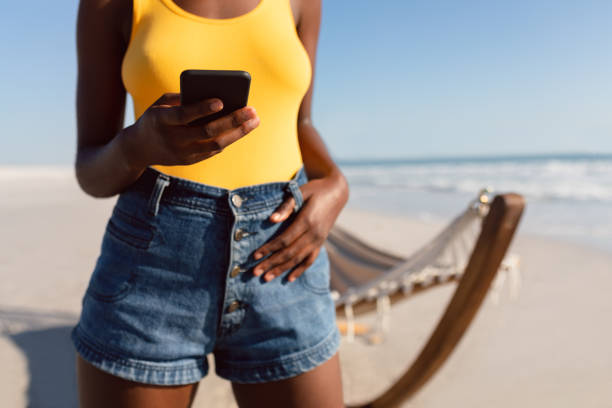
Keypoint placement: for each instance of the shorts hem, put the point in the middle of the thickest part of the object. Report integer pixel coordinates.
(250, 372)
(181, 372)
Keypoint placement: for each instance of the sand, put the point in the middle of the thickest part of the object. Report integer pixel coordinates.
(547, 348)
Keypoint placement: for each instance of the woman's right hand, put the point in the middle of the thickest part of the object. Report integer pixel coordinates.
(162, 135)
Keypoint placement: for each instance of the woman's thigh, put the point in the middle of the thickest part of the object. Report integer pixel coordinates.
(98, 389)
(320, 387)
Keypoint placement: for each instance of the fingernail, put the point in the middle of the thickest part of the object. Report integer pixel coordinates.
(257, 255)
(251, 122)
(291, 279)
(246, 114)
(275, 217)
(269, 277)
(257, 271)
(216, 105)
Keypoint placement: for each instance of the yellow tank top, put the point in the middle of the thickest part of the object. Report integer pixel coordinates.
(166, 39)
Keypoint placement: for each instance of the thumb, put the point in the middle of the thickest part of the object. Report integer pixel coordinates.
(283, 211)
(169, 98)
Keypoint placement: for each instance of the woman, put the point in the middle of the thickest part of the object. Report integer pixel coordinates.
(200, 207)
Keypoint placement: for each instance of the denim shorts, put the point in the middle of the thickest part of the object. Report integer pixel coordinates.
(174, 282)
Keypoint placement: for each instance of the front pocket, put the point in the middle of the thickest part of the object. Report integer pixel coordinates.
(316, 277)
(130, 230)
(114, 273)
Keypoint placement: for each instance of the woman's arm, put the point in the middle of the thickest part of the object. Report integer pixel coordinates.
(110, 158)
(317, 160)
(326, 192)
(102, 164)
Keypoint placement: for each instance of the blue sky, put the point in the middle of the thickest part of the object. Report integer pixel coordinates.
(393, 79)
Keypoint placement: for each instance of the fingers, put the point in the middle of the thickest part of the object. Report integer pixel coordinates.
(286, 247)
(284, 211)
(234, 120)
(226, 130)
(286, 259)
(169, 98)
(309, 260)
(284, 240)
(183, 114)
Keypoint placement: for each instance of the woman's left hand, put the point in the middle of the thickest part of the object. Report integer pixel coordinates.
(300, 243)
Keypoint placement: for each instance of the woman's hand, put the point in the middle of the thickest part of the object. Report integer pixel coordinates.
(301, 242)
(162, 134)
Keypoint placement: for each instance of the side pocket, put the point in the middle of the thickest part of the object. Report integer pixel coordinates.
(130, 230)
(316, 277)
(113, 275)
(125, 242)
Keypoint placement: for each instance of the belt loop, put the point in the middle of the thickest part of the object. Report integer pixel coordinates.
(295, 191)
(293, 187)
(162, 181)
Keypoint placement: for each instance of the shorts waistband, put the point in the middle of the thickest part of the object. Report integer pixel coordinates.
(161, 187)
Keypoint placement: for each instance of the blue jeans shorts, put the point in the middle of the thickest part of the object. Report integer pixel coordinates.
(174, 282)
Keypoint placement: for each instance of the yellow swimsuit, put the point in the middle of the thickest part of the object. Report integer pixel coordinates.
(166, 40)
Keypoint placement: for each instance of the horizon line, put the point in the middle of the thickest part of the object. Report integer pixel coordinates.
(473, 157)
(409, 159)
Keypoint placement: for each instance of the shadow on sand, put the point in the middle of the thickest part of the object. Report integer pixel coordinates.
(44, 339)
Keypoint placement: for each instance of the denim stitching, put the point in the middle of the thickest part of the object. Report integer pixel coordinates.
(327, 343)
(121, 234)
(295, 191)
(91, 346)
(253, 372)
(161, 183)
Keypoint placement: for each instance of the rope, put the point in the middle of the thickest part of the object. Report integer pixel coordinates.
(383, 309)
(350, 322)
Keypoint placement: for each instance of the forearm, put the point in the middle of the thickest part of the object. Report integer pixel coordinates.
(104, 171)
(317, 160)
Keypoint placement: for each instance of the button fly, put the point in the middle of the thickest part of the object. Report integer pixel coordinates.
(239, 234)
(233, 306)
(235, 271)
(237, 200)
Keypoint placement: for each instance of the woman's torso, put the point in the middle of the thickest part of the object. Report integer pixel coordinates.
(166, 39)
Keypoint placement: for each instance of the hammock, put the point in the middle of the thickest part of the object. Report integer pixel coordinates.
(470, 250)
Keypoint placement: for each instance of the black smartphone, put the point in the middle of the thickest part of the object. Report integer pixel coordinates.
(232, 87)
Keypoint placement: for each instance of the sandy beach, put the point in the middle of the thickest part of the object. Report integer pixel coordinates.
(549, 347)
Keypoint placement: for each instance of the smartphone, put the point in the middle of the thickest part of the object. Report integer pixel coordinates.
(232, 87)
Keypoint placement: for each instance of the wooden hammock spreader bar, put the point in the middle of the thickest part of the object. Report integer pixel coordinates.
(497, 231)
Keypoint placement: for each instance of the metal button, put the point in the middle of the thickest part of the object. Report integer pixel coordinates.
(235, 271)
(237, 200)
(233, 306)
(239, 234)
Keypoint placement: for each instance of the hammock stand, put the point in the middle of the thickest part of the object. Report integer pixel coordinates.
(469, 250)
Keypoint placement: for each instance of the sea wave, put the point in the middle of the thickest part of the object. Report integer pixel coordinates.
(545, 179)
(552, 179)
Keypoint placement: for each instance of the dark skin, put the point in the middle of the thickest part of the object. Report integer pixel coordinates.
(110, 158)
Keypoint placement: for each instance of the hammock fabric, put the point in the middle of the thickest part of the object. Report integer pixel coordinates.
(470, 249)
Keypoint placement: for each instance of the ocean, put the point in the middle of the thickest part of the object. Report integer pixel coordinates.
(569, 197)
